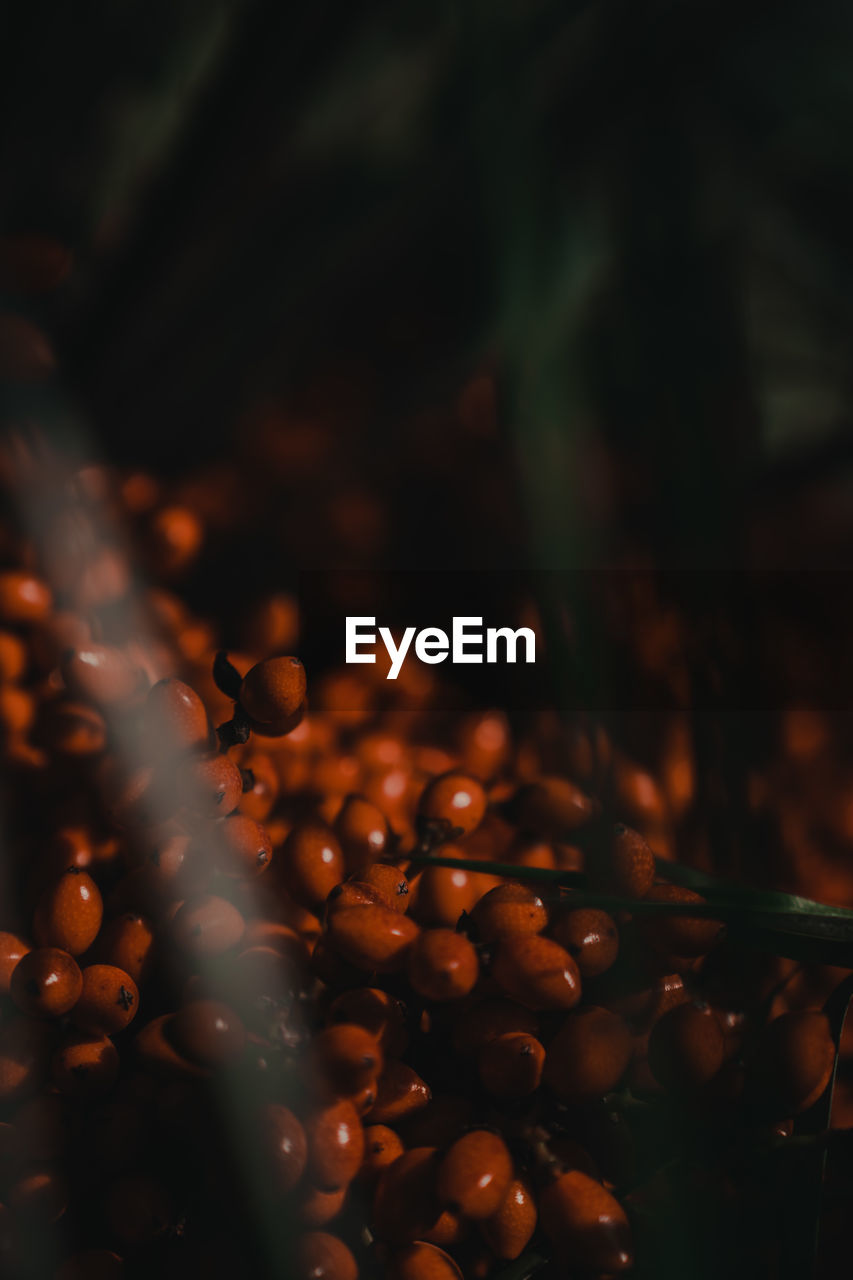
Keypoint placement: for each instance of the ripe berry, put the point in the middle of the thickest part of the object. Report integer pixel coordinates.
(554, 807)
(346, 1057)
(101, 674)
(284, 1146)
(207, 926)
(475, 1174)
(509, 909)
(536, 972)
(245, 846)
(586, 1224)
(679, 935)
(24, 599)
(793, 1062)
(47, 983)
(335, 1145)
(85, 1066)
(405, 1203)
(589, 1055)
(422, 1261)
(399, 1092)
(382, 1146)
(480, 1022)
(378, 1012)
(686, 1048)
(273, 691)
(373, 938)
(362, 829)
(12, 949)
(591, 938)
(312, 863)
(511, 1065)
(175, 718)
(622, 863)
(390, 882)
(108, 1001)
(442, 965)
(320, 1256)
(454, 804)
(511, 1226)
(211, 785)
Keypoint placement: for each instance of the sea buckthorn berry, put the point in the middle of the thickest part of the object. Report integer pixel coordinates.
(536, 972)
(159, 1056)
(591, 938)
(246, 849)
(363, 831)
(24, 599)
(584, 1222)
(452, 805)
(46, 983)
(13, 657)
(108, 1001)
(686, 1048)
(273, 691)
(684, 936)
(380, 1013)
(69, 913)
(511, 1065)
(478, 1023)
(39, 1197)
(318, 1208)
(443, 893)
(554, 807)
(126, 942)
(475, 1174)
(589, 1055)
(373, 938)
(141, 797)
(175, 718)
(85, 1066)
(260, 786)
(92, 1264)
(405, 1204)
(207, 926)
(284, 1146)
(382, 1146)
(320, 1256)
(354, 893)
(622, 862)
(208, 1032)
(509, 1229)
(510, 908)
(335, 1145)
(347, 1057)
(422, 1261)
(312, 863)
(390, 881)
(102, 674)
(399, 1092)
(450, 1230)
(792, 1063)
(12, 949)
(442, 965)
(211, 785)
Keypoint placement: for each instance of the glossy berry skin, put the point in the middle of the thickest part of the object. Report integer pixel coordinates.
(587, 1226)
(686, 1048)
(85, 1066)
(346, 1057)
(273, 690)
(108, 1001)
(207, 926)
(211, 785)
(284, 1146)
(68, 728)
(400, 1091)
(319, 1208)
(442, 965)
(102, 674)
(509, 1229)
(390, 882)
(335, 1145)
(792, 1064)
(509, 909)
(312, 864)
(46, 983)
(175, 719)
(320, 1256)
(589, 1055)
(12, 949)
(591, 938)
(363, 832)
(69, 913)
(511, 1065)
(382, 1146)
(208, 1032)
(674, 935)
(443, 893)
(405, 1204)
(13, 657)
(175, 536)
(262, 777)
(24, 599)
(475, 1174)
(622, 863)
(373, 938)
(126, 943)
(422, 1261)
(380, 1013)
(536, 972)
(554, 807)
(454, 801)
(244, 847)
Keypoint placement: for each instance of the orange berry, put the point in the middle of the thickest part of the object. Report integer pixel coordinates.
(511, 1065)
(586, 1224)
(273, 690)
(442, 965)
(589, 1055)
(475, 1174)
(508, 1230)
(510, 908)
(591, 938)
(454, 802)
(536, 972)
